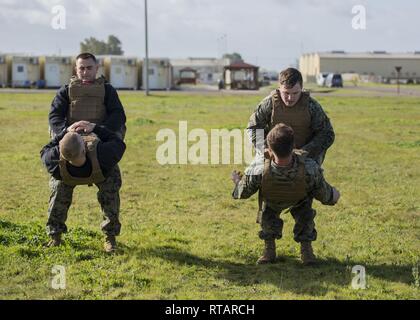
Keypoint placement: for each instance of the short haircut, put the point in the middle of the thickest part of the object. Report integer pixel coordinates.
(281, 140)
(289, 77)
(71, 146)
(86, 55)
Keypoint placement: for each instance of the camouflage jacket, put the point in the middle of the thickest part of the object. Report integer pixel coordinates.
(316, 186)
(322, 131)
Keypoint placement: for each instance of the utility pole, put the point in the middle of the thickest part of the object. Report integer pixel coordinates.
(398, 78)
(146, 60)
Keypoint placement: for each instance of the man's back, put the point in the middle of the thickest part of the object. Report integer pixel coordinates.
(313, 178)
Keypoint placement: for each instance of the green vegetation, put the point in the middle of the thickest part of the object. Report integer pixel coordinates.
(183, 236)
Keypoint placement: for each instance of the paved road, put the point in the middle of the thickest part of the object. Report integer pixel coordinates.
(212, 90)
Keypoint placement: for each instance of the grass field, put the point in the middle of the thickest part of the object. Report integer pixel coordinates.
(184, 237)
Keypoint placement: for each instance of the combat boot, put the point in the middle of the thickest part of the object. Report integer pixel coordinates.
(307, 253)
(55, 240)
(269, 255)
(110, 244)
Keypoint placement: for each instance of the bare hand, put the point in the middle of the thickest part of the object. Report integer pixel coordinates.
(82, 126)
(236, 176)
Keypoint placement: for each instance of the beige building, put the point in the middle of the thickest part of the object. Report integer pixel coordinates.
(23, 71)
(56, 70)
(373, 66)
(120, 71)
(160, 74)
(208, 70)
(3, 71)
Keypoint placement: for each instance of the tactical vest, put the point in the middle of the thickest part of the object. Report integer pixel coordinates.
(297, 117)
(86, 101)
(277, 191)
(96, 176)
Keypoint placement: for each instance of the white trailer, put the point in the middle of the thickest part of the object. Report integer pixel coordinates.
(160, 74)
(56, 71)
(122, 72)
(24, 71)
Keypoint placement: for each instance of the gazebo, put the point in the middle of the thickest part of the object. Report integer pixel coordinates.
(187, 75)
(241, 75)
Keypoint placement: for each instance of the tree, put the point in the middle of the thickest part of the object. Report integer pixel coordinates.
(233, 57)
(95, 46)
(114, 45)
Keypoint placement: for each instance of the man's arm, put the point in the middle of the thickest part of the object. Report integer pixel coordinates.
(318, 187)
(111, 149)
(115, 112)
(323, 133)
(247, 186)
(58, 111)
(260, 119)
(50, 154)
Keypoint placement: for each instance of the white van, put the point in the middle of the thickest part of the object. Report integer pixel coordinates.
(320, 78)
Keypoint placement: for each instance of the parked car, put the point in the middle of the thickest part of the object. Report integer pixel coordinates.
(334, 80)
(320, 79)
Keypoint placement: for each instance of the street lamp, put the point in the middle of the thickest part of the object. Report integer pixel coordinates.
(398, 78)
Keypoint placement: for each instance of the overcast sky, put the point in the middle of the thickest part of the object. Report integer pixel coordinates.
(269, 33)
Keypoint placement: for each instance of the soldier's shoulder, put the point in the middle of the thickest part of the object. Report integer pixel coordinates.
(314, 103)
(63, 88)
(269, 97)
(109, 88)
(315, 107)
(63, 91)
(267, 101)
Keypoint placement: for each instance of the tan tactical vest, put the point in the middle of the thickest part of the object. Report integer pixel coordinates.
(297, 117)
(86, 101)
(91, 142)
(276, 191)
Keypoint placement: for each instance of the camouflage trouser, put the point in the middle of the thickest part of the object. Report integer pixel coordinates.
(108, 197)
(304, 229)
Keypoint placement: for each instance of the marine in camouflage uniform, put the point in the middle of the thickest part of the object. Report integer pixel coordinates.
(90, 99)
(104, 150)
(315, 187)
(320, 131)
(313, 134)
(291, 185)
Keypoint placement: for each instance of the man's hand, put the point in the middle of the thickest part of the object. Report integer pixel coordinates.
(336, 195)
(82, 127)
(236, 176)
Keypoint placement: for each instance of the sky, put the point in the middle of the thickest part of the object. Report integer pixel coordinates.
(269, 33)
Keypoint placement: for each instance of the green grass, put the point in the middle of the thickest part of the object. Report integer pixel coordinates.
(184, 237)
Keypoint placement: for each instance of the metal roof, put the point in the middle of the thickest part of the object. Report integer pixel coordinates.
(241, 65)
(367, 55)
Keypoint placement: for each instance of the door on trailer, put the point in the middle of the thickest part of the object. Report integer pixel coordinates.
(118, 76)
(153, 77)
(20, 73)
(52, 75)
